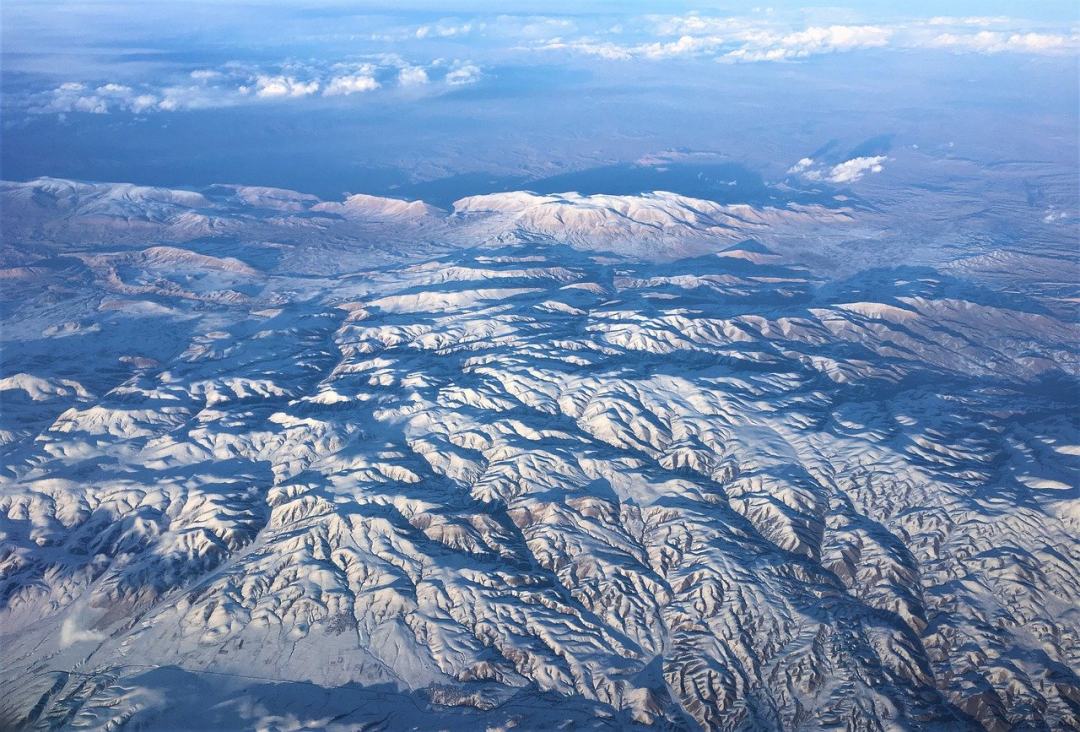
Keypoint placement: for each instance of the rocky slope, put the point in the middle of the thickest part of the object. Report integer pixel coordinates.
(270, 462)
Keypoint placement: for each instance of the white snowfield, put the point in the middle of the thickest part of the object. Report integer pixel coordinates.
(275, 463)
(657, 225)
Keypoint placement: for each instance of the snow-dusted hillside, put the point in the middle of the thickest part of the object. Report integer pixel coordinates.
(281, 463)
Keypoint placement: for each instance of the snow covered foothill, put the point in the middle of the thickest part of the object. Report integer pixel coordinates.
(273, 462)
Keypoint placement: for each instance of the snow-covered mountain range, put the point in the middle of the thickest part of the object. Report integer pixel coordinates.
(536, 462)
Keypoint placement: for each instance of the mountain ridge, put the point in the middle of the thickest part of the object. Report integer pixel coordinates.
(452, 484)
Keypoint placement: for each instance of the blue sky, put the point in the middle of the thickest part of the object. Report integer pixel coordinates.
(328, 96)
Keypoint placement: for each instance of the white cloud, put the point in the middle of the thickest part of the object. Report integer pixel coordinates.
(731, 40)
(529, 27)
(762, 37)
(501, 27)
(766, 46)
(694, 24)
(443, 29)
(236, 84)
(351, 84)
(144, 103)
(412, 76)
(109, 97)
(270, 87)
(848, 171)
(464, 74)
(685, 46)
(71, 633)
(177, 98)
(1053, 215)
(73, 96)
(91, 104)
(114, 89)
(802, 165)
(852, 170)
(997, 42)
(606, 50)
(978, 20)
(756, 37)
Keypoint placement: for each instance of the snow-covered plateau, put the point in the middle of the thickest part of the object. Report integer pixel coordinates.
(537, 462)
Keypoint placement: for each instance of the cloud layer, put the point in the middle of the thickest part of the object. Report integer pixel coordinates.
(764, 39)
(459, 51)
(236, 84)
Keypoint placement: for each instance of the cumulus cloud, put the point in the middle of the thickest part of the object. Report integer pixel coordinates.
(352, 84)
(444, 29)
(694, 24)
(767, 46)
(848, 171)
(75, 96)
(464, 74)
(683, 46)
(764, 38)
(801, 166)
(686, 45)
(1053, 215)
(235, 84)
(605, 50)
(144, 103)
(975, 20)
(71, 633)
(852, 170)
(271, 87)
(997, 42)
(412, 76)
(731, 40)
